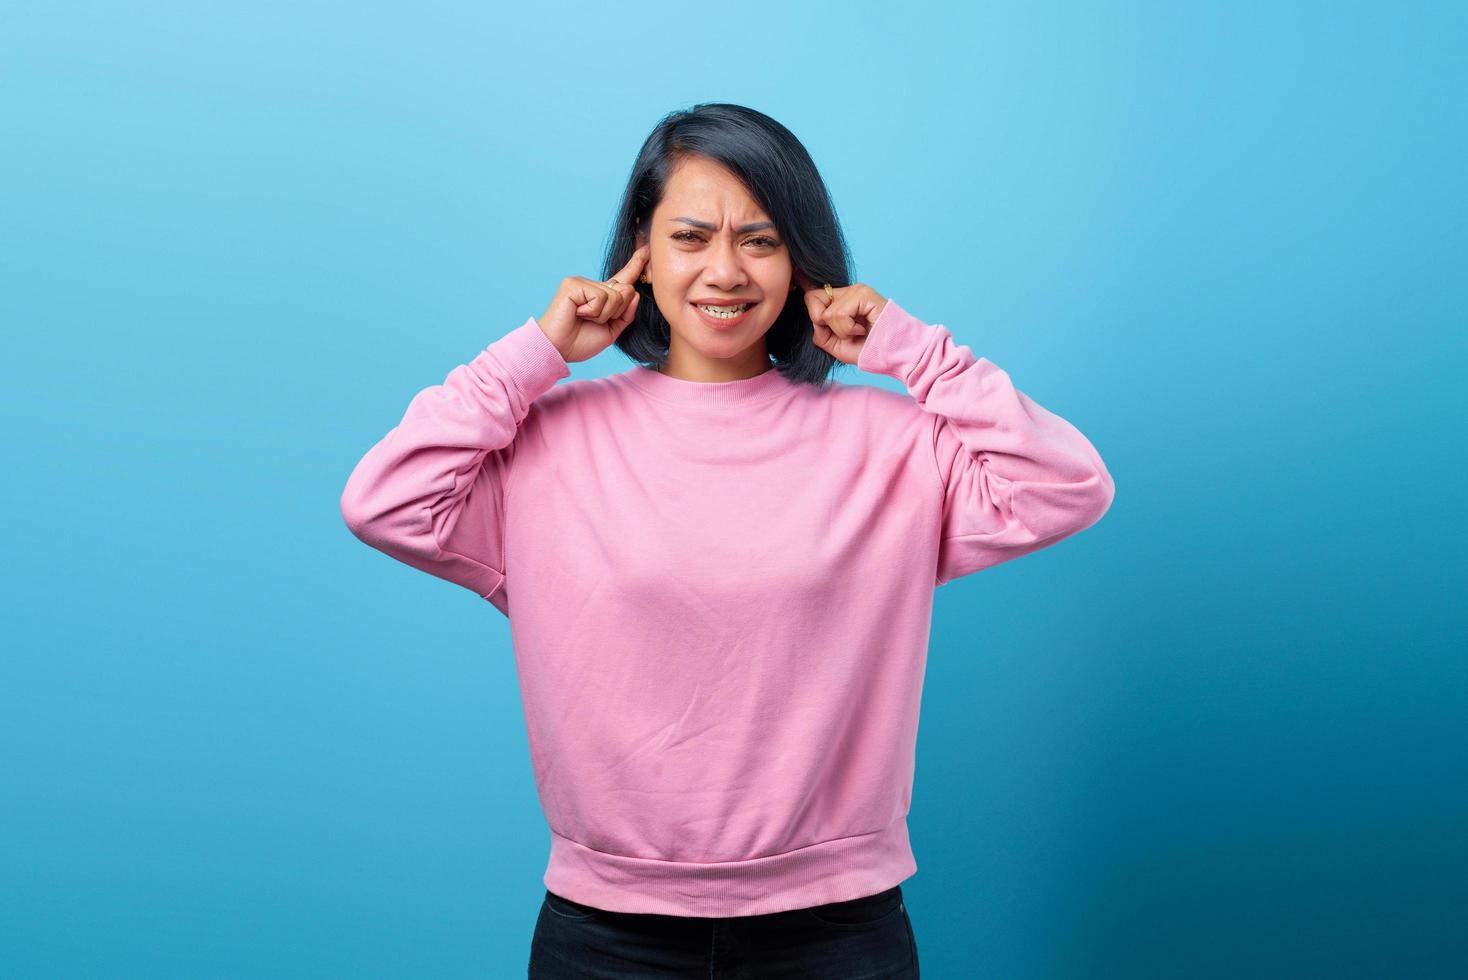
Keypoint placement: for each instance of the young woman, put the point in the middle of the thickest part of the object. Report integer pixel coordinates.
(718, 566)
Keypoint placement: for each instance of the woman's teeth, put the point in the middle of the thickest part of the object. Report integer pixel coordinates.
(727, 312)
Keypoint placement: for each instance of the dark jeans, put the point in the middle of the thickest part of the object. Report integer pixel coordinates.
(862, 939)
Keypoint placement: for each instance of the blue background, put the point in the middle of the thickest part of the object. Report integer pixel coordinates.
(1219, 734)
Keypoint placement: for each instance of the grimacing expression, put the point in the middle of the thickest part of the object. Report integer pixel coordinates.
(711, 241)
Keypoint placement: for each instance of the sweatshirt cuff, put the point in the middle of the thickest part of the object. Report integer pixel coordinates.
(530, 359)
(895, 343)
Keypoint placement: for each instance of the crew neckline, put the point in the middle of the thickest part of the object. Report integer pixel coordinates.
(679, 391)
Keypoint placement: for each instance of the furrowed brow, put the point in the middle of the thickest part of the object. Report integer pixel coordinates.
(707, 226)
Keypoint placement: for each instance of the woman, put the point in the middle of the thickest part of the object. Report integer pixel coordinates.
(718, 565)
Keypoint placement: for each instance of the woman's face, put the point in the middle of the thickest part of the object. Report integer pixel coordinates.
(712, 243)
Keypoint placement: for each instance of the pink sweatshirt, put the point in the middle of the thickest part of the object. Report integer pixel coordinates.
(720, 593)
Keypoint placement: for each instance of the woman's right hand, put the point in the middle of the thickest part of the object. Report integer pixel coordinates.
(586, 315)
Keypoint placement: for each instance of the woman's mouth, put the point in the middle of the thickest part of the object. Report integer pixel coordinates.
(723, 317)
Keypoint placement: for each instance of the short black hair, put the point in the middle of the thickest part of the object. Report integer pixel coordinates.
(782, 178)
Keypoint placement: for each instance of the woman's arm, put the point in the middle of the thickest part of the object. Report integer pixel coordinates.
(1016, 477)
(431, 492)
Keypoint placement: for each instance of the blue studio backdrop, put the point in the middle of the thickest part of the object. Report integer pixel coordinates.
(1226, 240)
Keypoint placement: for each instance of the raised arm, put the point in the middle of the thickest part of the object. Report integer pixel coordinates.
(431, 492)
(1016, 477)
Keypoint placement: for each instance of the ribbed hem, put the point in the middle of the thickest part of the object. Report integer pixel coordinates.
(896, 342)
(832, 871)
(531, 360)
(763, 386)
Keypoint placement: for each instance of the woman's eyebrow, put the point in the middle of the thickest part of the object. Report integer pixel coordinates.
(706, 226)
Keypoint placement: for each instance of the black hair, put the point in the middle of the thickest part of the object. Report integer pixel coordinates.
(781, 176)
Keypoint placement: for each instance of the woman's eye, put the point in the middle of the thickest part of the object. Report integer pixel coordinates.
(688, 236)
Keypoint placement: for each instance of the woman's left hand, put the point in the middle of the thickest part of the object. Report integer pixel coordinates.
(842, 320)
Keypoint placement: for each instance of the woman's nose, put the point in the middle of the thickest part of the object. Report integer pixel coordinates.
(725, 267)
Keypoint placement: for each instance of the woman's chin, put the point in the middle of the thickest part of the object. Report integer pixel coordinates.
(721, 347)
(715, 342)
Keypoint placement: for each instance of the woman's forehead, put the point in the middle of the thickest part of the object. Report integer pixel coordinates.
(706, 192)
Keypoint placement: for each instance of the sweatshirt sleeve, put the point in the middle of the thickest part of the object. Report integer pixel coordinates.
(430, 493)
(1016, 478)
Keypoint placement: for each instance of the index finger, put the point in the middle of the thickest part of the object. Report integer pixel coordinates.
(629, 272)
